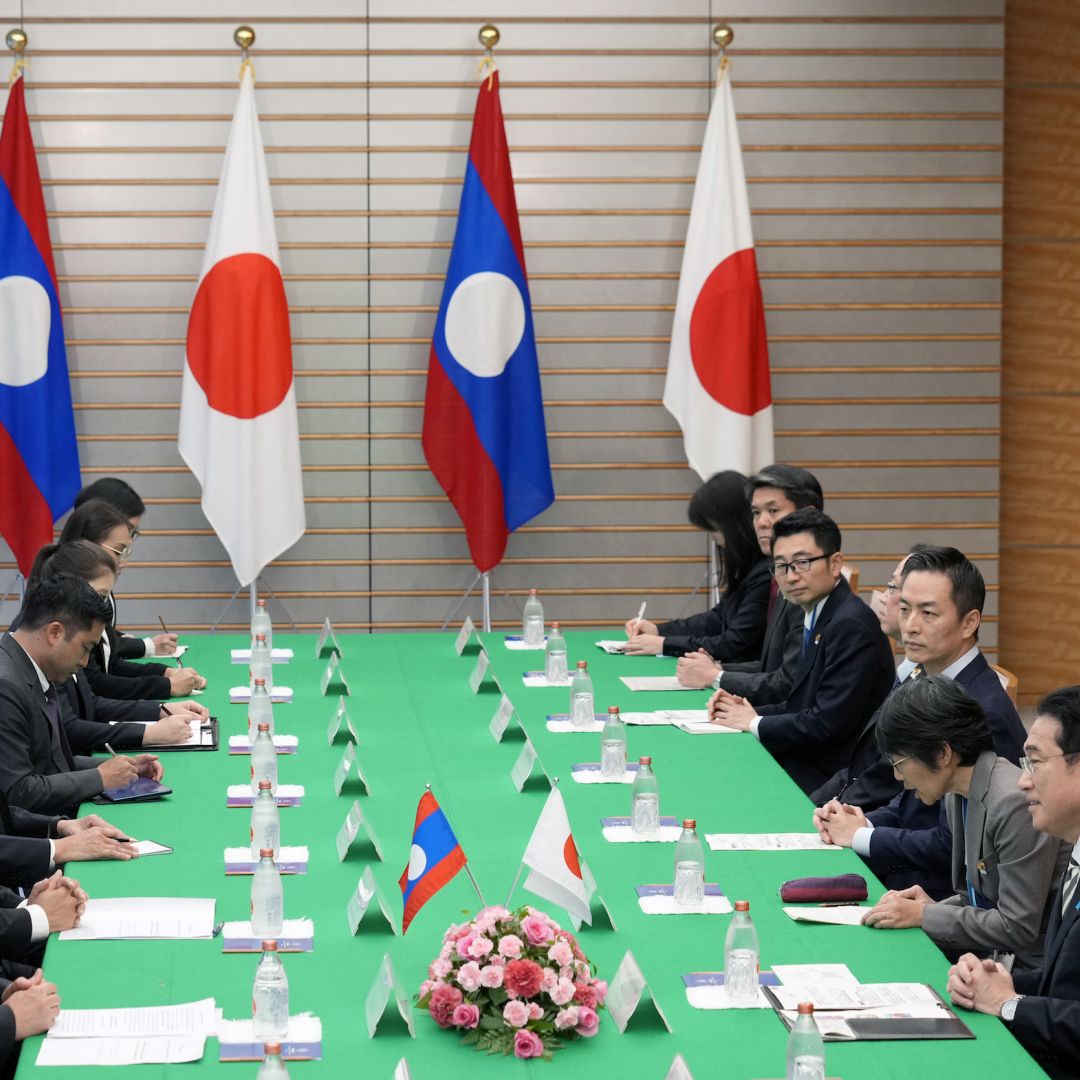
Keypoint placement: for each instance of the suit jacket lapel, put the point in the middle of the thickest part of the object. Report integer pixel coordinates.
(976, 816)
(1056, 932)
(806, 664)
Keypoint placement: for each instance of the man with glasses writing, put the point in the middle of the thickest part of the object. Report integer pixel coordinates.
(845, 668)
(1042, 1007)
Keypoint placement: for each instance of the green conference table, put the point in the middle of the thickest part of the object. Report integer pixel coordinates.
(419, 723)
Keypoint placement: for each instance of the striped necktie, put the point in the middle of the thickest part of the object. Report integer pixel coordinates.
(1068, 886)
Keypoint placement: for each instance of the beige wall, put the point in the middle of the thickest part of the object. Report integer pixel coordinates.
(872, 136)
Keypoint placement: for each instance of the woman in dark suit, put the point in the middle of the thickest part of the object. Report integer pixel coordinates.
(735, 628)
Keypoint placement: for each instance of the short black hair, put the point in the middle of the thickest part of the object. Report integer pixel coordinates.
(117, 493)
(94, 520)
(825, 531)
(1063, 705)
(922, 716)
(80, 558)
(799, 485)
(967, 586)
(64, 599)
(721, 505)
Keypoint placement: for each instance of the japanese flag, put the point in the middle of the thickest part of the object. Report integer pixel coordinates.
(552, 859)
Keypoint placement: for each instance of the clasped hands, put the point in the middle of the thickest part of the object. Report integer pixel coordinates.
(731, 710)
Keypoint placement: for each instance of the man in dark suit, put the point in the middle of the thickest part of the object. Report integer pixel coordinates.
(845, 669)
(863, 806)
(61, 620)
(1042, 1007)
(28, 1006)
(775, 492)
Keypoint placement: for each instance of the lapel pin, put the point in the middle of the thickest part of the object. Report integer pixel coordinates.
(817, 638)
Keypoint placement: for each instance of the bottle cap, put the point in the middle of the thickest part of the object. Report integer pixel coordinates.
(266, 852)
(742, 905)
(260, 603)
(269, 946)
(265, 785)
(264, 727)
(532, 592)
(260, 682)
(555, 625)
(583, 665)
(645, 761)
(806, 1008)
(613, 710)
(689, 823)
(272, 1048)
(260, 637)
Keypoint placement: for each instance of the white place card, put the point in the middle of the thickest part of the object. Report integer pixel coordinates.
(340, 713)
(528, 761)
(360, 902)
(600, 911)
(478, 672)
(353, 826)
(327, 642)
(626, 991)
(679, 1069)
(334, 677)
(341, 773)
(401, 1070)
(467, 630)
(378, 999)
(501, 720)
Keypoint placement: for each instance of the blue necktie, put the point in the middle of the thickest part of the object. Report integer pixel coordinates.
(807, 632)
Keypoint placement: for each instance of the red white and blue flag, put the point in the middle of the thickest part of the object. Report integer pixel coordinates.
(484, 435)
(718, 385)
(39, 458)
(434, 859)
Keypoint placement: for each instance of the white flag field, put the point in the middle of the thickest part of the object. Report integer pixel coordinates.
(718, 385)
(238, 425)
(552, 859)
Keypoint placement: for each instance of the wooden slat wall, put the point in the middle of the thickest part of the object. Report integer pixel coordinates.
(1041, 346)
(872, 137)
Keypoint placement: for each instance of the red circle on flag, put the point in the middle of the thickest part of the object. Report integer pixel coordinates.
(728, 345)
(570, 855)
(238, 345)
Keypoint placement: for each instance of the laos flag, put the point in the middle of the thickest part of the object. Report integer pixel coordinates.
(39, 459)
(484, 435)
(434, 858)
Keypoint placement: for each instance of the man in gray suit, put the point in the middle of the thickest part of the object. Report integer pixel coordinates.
(61, 621)
(937, 738)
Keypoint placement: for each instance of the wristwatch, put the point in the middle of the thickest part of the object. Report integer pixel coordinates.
(716, 681)
(1008, 1008)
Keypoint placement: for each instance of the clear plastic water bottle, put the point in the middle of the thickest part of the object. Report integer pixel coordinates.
(805, 1048)
(533, 622)
(689, 867)
(264, 761)
(741, 957)
(270, 995)
(645, 800)
(267, 904)
(272, 1067)
(555, 656)
(260, 624)
(260, 708)
(260, 663)
(265, 822)
(613, 746)
(582, 712)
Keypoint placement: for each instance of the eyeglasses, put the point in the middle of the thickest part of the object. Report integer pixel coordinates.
(900, 761)
(120, 553)
(800, 566)
(135, 531)
(1030, 767)
(892, 587)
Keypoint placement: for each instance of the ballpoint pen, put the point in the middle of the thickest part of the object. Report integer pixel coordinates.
(640, 615)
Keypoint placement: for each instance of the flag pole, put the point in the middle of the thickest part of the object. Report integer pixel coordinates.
(480, 895)
(485, 580)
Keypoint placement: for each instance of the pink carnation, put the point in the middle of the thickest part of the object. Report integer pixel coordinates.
(440, 969)
(527, 1044)
(586, 995)
(427, 986)
(567, 1019)
(491, 976)
(516, 1013)
(468, 977)
(479, 947)
(523, 978)
(588, 1022)
(600, 986)
(466, 1016)
(511, 946)
(463, 944)
(563, 992)
(535, 1012)
(560, 953)
(536, 930)
(551, 977)
(444, 1000)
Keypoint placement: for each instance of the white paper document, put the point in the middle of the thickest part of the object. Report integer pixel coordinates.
(653, 682)
(153, 1050)
(149, 847)
(768, 842)
(815, 974)
(668, 905)
(538, 678)
(140, 917)
(612, 648)
(833, 996)
(852, 915)
(191, 1018)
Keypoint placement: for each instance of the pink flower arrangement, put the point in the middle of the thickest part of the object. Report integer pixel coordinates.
(513, 983)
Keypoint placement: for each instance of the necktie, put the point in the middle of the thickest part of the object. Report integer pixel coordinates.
(53, 703)
(774, 592)
(808, 632)
(1068, 886)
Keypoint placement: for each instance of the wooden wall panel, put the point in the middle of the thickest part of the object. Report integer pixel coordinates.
(873, 152)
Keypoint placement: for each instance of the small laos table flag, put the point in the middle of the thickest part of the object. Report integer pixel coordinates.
(434, 859)
(484, 435)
